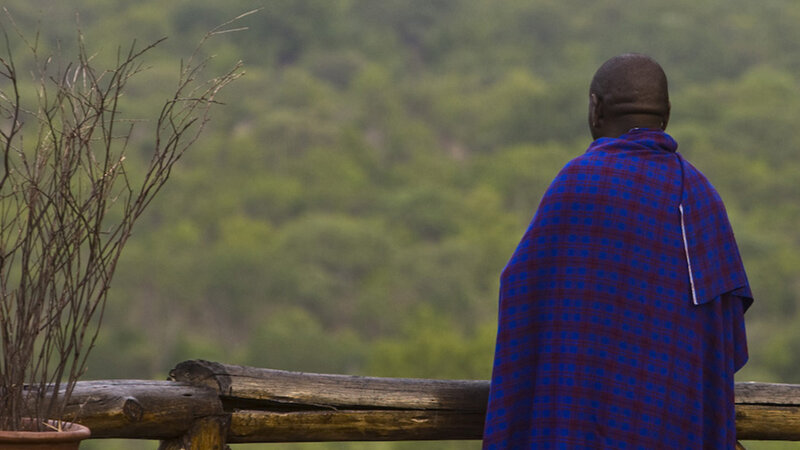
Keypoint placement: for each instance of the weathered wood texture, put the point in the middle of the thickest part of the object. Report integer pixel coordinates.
(277, 406)
(353, 425)
(768, 411)
(756, 393)
(768, 422)
(239, 385)
(137, 409)
(207, 433)
(207, 405)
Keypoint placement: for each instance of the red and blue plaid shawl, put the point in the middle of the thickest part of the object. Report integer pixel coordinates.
(621, 310)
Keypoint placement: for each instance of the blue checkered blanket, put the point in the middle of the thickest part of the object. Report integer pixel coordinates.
(621, 310)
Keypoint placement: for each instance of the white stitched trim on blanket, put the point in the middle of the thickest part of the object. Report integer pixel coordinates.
(688, 260)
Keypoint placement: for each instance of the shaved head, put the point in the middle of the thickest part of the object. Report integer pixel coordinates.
(628, 91)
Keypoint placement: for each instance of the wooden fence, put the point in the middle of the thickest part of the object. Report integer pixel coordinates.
(205, 405)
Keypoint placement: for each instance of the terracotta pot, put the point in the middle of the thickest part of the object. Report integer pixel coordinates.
(68, 439)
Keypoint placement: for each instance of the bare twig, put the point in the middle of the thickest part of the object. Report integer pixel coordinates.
(59, 244)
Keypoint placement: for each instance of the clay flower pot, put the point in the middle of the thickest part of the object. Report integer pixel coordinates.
(68, 439)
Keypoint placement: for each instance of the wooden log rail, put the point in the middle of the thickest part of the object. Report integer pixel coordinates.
(206, 405)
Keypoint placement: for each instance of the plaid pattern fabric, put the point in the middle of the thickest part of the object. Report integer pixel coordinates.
(600, 344)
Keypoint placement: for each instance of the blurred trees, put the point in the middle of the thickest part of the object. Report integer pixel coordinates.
(353, 204)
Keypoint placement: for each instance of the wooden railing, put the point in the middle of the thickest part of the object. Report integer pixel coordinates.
(206, 405)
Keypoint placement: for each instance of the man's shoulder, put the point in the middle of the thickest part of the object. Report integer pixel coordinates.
(599, 161)
(698, 185)
(589, 160)
(691, 171)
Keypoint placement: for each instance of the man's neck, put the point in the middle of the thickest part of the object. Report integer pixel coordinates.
(623, 124)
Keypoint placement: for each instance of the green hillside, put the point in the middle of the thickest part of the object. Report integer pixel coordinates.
(350, 207)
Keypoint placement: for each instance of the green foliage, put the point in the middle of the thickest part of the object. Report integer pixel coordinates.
(353, 204)
(433, 345)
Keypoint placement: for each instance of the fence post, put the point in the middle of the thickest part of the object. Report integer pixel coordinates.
(206, 433)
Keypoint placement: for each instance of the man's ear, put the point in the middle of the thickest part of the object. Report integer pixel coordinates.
(665, 118)
(595, 111)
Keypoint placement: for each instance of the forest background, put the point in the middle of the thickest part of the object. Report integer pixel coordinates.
(350, 208)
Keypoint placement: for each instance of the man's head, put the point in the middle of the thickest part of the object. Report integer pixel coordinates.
(628, 91)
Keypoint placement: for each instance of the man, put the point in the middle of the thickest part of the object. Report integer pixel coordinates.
(621, 310)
